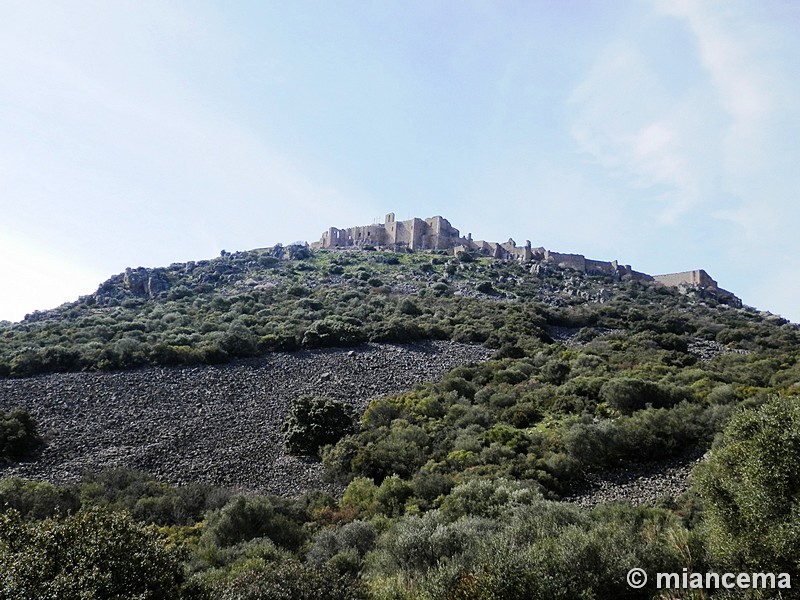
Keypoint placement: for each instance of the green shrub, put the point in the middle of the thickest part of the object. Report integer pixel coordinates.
(408, 307)
(18, 437)
(247, 518)
(333, 331)
(522, 415)
(391, 496)
(399, 449)
(485, 498)
(417, 544)
(315, 422)
(91, 554)
(485, 287)
(751, 490)
(343, 548)
(149, 500)
(37, 499)
(630, 395)
(649, 434)
(293, 581)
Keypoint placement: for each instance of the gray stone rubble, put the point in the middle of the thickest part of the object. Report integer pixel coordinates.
(213, 424)
(643, 485)
(221, 424)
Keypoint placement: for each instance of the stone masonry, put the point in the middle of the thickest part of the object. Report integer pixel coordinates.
(436, 233)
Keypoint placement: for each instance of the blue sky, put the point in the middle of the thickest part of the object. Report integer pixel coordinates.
(662, 134)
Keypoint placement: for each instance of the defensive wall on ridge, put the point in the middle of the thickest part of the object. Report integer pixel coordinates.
(436, 233)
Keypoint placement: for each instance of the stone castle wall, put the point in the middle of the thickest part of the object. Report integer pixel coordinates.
(691, 278)
(436, 233)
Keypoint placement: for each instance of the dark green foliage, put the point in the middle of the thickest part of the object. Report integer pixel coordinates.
(486, 287)
(149, 500)
(293, 581)
(536, 550)
(91, 554)
(212, 311)
(489, 499)
(629, 395)
(408, 307)
(399, 450)
(333, 331)
(315, 422)
(343, 548)
(751, 490)
(37, 499)
(244, 519)
(18, 437)
(445, 484)
(649, 434)
(555, 371)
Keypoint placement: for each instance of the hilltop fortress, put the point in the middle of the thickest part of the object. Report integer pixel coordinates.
(436, 233)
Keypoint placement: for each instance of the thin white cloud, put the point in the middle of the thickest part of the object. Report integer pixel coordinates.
(104, 135)
(687, 146)
(716, 146)
(729, 51)
(626, 121)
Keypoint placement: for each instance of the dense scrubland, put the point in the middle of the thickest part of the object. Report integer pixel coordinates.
(451, 489)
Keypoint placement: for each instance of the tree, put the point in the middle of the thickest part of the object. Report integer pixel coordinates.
(94, 553)
(751, 490)
(243, 519)
(313, 422)
(333, 331)
(18, 437)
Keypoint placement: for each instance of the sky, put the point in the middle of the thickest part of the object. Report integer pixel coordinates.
(663, 134)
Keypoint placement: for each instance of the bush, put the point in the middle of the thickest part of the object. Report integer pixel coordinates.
(18, 437)
(650, 434)
(408, 307)
(244, 519)
(416, 544)
(333, 331)
(149, 500)
(315, 422)
(485, 287)
(484, 498)
(751, 490)
(91, 554)
(37, 499)
(345, 547)
(293, 581)
(629, 395)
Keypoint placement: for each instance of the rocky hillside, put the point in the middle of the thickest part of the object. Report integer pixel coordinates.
(248, 303)
(487, 389)
(216, 424)
(592, 374)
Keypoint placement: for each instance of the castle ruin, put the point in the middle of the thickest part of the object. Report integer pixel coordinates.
(436, 233)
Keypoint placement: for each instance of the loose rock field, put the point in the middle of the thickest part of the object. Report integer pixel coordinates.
(212, 424)
(221, 424)
(644, 484)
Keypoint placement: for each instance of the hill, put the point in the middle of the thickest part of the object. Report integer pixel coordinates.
(494, 387)
(247, 303)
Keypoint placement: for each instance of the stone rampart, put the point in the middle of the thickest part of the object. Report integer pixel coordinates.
(691, 278)
(436, 233)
